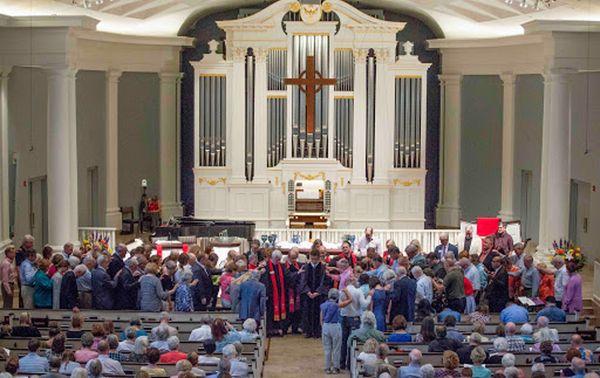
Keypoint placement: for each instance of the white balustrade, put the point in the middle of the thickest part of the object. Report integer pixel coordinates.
(94, 234)
(429, 238)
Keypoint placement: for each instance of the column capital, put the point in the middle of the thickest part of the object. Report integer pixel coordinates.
(384, 56)
(558, 75)
(113, 75)
(450, 79)
(360, 55)
(260, 54)
(169, 76)
(5, 71)
(508, 78)
(239, 54)
(67, 72)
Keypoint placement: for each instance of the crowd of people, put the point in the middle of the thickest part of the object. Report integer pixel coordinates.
(357, 293)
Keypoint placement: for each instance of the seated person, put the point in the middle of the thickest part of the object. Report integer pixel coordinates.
(192, 357)
(32, 362)
(553, 313)
(152, 369)
(442, 342)
(447, 311)
(526, 332)
(577, 343)
(237, 368)
(501, 349)
(451, 331)
(368, 356)
(514, 313)
(209, 349)
(544, 330)
(25, 329)
(546, 356)
(173, 355)
(400, 335)
(481, 314)
(248, 333)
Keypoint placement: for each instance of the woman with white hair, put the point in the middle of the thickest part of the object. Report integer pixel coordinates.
(183, 294)
(427, 371)
(368, 356)
(248, 333)
(238, 369)
(275, 278)
(526, 332)
(139, 350)
(501, 347)
(151, 294)
(545, 334)
(367, 329)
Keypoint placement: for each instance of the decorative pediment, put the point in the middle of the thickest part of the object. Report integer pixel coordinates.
(351, 17)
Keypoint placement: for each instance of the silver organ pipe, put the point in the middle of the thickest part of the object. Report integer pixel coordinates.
(407, 133)
(249, 117)
(370, 147)
(213, 113)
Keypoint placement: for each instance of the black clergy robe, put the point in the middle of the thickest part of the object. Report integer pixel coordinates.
(497, 291)
(293, 295)
(277, 319)
(68, 291)
(312, 280)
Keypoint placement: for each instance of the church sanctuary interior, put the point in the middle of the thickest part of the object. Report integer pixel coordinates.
(293, 188)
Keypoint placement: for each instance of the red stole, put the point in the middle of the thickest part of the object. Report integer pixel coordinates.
(278, 292)
(293, 296)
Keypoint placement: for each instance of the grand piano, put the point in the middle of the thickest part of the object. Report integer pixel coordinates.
(202, 228)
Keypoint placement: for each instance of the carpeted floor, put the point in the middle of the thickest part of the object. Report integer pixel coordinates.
(295, 356)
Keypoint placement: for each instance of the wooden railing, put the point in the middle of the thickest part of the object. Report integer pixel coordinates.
(96, 233)
(429, 238)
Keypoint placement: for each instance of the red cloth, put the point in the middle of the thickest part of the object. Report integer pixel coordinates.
(278, 292)
(468, 286)
(487, 226)
(172, 357)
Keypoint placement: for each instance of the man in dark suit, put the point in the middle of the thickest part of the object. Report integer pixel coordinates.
(102, 285)
(202, 292)
(313, 291)
(127, 286)
(497, 289)
(116, 262)
(68, 288)
(403, 296)
(445, 247)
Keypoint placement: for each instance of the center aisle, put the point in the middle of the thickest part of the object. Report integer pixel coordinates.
(295, 356)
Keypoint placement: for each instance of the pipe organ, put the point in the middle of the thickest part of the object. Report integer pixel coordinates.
(311, 96)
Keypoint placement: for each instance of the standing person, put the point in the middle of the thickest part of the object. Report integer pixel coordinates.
(294, 267)
(497, 289)
(454, 285)
(84, 281)
(530, 278)
(352, 301)
(546, 282)
(561, 277)
(203, 289)
(488, 253)
(27, 271)
(366, 241)
(572, 301)
(470, 242)
(312, 290)
(183, 295)
(424, 285)
(331, 332)
(403, 294)
(151, 294)
(102, 285)
(379, 303)
(57, 278)
(275, 279)
(154, 211)
(444, 247)
(225, 282)
(252, 297)
(502, 241)
(126, 292)
(117, 261)
(68, 298)
(8, 276)
(42, 284)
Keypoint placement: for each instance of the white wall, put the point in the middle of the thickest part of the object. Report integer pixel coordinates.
(529, 112)
(138, 136)
(91, 145)
(481, 146)
(585, 165)
(27, 94)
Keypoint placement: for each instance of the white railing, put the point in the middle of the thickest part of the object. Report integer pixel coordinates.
(96, 233)
(429, 238)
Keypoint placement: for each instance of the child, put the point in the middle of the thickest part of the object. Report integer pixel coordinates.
(331, 332)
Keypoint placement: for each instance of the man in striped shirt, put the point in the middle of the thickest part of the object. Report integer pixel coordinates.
(32, 362)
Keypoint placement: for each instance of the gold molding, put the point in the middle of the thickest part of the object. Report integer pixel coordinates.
(212, 181)
(212, 75)
(308, 176)
(283, 97)
(278, 48)
(409, 76)
(407, 183)
(343, 97)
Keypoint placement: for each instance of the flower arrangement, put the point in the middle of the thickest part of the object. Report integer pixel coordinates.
(96, 241)
(569, 252)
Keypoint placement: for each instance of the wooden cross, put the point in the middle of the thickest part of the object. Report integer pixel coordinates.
(310, 82)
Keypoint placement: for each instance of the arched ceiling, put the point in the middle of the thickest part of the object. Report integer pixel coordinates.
(455, 18)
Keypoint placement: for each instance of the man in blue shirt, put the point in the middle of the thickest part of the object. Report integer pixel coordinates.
(26, 272)
(451, 331)
(445, 312)
(553, 313)
(514, 313)
(32, 363)
(331, 332)
(413, 369)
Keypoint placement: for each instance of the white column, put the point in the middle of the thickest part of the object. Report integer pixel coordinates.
(508, 146)
(448, 210)
(556, 153)
(260, 115)
(360, 114)
(168, 146)
(62, 156)
(4, 157)
(384, 117)
(237, 104)
(113, 216)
